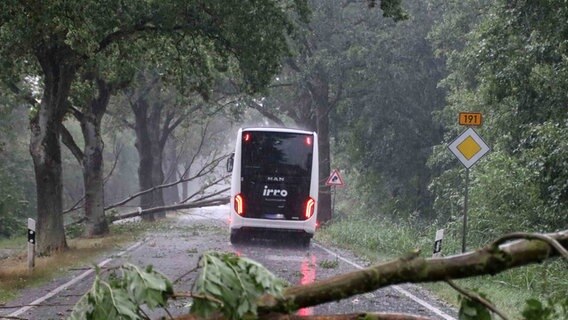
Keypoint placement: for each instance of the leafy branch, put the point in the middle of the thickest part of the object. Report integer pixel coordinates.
(121, 297)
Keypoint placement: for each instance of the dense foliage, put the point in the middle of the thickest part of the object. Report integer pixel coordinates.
(384, 126)
(16, 188)
(512, 69)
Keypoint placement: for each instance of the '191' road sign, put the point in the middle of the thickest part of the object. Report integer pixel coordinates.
(470, 118)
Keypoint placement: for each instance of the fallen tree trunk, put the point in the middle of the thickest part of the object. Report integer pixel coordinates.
(195, 204)
(489, 260)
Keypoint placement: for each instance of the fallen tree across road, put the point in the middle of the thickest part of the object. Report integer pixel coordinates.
(194, 204)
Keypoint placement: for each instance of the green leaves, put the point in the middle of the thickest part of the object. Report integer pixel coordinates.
(120, 297)
(551, 310)
(231, 284)
(472, 310)
(228, 284)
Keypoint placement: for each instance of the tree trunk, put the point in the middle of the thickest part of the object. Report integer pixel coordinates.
(171, 194)
(45, 150)
(185, 189)
(320, 92)
(46, 154)
(93, 166)
(324, 209)
(157, 149)
(150, 153)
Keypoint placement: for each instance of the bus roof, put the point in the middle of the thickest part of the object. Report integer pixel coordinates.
(276, 129)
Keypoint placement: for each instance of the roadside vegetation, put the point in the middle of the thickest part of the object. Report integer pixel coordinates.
(380, 239)
(14, 273)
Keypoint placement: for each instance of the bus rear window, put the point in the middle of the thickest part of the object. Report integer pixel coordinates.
(268, 153)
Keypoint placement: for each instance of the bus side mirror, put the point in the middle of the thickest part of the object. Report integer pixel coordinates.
(230, 161)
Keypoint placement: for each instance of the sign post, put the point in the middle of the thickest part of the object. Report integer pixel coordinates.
(468, 148)
(31, 243)
(334, 180)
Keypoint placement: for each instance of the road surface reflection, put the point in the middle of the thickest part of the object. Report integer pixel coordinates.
(308, 273)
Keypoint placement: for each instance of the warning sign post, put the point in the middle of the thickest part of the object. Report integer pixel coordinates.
(334, 180)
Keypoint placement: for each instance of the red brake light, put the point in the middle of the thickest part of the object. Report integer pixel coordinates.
(310, 207)
(247, 137)
(240, 204)
(309, 141)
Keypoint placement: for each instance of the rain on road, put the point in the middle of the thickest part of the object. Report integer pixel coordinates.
(176, 250)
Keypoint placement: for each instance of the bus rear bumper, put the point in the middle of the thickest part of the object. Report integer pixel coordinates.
(307, 226)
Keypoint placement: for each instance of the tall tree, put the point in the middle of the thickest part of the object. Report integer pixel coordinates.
(385, 124)
(91, 157)
(313, 84)
(52, 40)
(156, 116)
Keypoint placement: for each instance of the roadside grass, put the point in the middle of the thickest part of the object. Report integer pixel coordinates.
(14, 243)
(329, 264)
(14, 274)
(378, 240)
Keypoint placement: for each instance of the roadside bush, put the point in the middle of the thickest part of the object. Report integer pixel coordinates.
(502, 192)
(13, 209)
(10, 224)
(381, 238)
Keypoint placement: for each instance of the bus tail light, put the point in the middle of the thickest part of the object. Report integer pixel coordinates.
(240, 204)
(310, 207)
(247, 137)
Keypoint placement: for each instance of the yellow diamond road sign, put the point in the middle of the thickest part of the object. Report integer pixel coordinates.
(469, 147)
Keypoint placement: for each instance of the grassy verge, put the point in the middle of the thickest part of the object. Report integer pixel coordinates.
(378, 240)
(14, 274)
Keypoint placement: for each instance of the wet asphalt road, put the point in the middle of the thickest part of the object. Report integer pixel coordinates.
(175, 251)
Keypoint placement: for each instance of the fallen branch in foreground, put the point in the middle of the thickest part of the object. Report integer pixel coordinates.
(489, 260)
(351, 316)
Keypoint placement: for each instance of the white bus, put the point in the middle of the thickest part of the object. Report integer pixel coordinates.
(274, 185)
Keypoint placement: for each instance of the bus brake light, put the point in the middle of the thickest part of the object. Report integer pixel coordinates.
(247, 137)
(310, 207)
(309, 141)
(240, 204)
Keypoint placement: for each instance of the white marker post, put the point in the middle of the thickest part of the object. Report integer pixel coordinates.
(438, 243)
(31, 243)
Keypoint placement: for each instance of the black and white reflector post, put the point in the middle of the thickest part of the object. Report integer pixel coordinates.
(31, 243)
(438, 243)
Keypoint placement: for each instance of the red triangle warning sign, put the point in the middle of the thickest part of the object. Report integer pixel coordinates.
(334, 179)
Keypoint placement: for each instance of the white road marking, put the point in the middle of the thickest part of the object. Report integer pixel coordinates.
(395, 287)
(71, 282)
